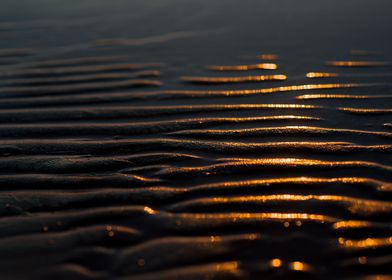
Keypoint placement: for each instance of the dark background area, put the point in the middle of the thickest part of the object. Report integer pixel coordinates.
(207, 27)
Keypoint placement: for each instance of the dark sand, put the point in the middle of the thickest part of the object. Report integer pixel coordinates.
(170, 139)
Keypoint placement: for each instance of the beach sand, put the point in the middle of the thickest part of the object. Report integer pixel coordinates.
(172, 139)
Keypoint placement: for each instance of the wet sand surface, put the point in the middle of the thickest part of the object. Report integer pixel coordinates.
(195, 139)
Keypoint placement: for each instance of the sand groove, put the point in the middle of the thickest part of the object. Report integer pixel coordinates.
(207, 173)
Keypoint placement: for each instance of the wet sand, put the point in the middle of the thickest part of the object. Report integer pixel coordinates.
(199, 140)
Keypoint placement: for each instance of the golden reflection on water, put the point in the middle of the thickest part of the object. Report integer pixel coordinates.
(362, 260)
(354, 205)
(275, 263)
(148, 210)
(261, 106)
(264, 90)
(268, 57)
(207, 107)
(298, 161)
(365, 243)
(222, 80)
(256, 216)
(350, 224)
(249, 106)
(356, 63)
(341, 96)
(246, 119)
(365, 111)
(228, 266)
(313, 75)
(331, 96)
(295, 265)
(260, 66)
(302, 180)
(300, 87)
(299, 266)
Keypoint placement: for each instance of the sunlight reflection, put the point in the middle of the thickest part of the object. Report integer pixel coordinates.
(261, 66)
(365, 243)
(268, 57)
(356, 63)
(275, 263)
(312, 75)
(223, 80)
